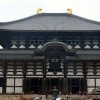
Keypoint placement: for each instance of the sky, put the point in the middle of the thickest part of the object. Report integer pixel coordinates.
(11, 10)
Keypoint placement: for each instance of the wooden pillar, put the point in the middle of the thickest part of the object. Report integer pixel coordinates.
(75, 70)
(95, 72)
(34, 67)
(44, 78)
(79, 84)
(65, 83)
(65, 87)
(24, 78)
(94, 68)
(14, 68)
(85, 79)
(44, 86)
(14, 74)
(4, 78)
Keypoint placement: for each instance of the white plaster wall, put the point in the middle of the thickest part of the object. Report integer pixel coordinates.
(90, 82)
(90, 90)
(18, 82)
(10, 82)
(0, 90)
(18, 90)
(10, 90)
(97, 82)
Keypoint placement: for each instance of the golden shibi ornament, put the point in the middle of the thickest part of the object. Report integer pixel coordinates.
(69, 11)
(39, 10)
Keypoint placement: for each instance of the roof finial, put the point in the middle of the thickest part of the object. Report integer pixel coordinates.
(69, 11)
(39, 10)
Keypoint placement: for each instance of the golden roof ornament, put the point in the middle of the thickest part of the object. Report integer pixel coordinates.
(39, 10)
(69, 11)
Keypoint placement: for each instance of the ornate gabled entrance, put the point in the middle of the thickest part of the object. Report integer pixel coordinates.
(55, 53)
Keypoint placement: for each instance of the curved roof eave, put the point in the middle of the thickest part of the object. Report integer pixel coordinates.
(10, 30)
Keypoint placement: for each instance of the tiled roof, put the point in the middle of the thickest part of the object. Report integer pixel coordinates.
(52, 22)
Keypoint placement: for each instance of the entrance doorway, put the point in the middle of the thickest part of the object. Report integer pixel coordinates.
(75, 85)
(54, 82)
(75, 90)
(34, 85)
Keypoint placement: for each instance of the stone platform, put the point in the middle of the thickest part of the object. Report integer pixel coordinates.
(30, 97)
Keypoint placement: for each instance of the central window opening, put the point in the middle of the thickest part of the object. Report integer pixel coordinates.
(55, 65)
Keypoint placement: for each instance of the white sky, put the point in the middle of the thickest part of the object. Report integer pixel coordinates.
(17, 9)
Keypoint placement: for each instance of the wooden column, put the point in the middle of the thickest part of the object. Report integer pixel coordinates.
(94, 68)
(80, 85)
(65, 83)
(44, 78)
(4, 78)
(24, 77)
(34, 67)
(75, 70)
(95, 72)
(14, 74)
(85, 79)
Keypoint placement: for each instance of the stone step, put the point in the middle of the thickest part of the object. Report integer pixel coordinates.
(30, 97)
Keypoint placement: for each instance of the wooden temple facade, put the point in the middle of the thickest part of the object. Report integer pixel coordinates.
(48, 50)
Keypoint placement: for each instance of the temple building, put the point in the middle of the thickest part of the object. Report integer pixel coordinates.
(47, 50)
